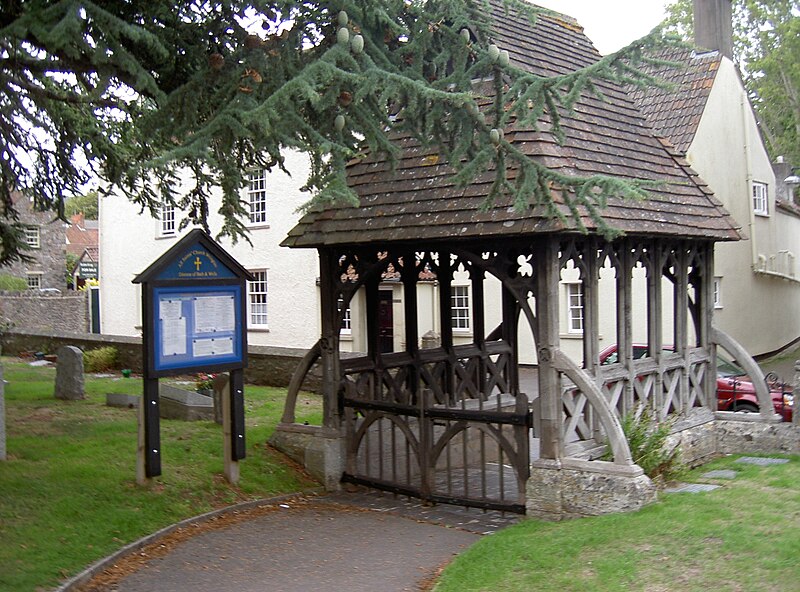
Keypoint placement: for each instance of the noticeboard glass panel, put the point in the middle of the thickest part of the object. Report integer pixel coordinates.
(197, 326)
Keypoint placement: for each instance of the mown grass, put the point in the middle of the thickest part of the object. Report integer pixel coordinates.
(68, 494)
(744, 536)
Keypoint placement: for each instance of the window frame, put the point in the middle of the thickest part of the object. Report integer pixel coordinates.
(257, 198)
(346, 328)
(167, 216)
(717, 292)
(570, 287)
(34, 274)
(262, 306)
(33, 237)
(460, 308)
(760, 201)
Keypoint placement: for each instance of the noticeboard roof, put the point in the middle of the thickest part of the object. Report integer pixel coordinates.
(195, 258)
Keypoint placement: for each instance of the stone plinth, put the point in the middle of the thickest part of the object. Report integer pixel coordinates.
(320, 451)
(572, 488)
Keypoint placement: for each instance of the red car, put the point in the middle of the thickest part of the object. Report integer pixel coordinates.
(735, 392)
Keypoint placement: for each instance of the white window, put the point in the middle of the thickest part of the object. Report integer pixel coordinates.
(717, 292)
(167, 220)
(760, 201)
(257, 197)
(459, 307)
(347, 323)
(575, 307)
(34, 281)
(257, 290)
(32, 237)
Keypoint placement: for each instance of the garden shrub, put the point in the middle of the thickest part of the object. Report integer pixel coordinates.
(10, 283)
(100, 359)
(647, 441)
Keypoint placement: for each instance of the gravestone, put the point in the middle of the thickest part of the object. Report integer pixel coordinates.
(69, 374)
(2, 416)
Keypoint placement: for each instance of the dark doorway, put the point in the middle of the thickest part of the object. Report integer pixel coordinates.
(94, 307)
(385, 321)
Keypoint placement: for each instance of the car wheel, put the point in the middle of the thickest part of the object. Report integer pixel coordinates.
(744, 407)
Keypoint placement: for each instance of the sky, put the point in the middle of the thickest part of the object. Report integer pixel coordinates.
(611, 24)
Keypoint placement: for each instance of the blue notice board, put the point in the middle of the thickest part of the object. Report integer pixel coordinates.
(197, 326)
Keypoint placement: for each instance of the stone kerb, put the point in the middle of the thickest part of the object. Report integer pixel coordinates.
(69, 374)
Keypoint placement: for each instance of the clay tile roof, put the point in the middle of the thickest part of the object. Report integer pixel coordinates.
(675, 112)
(81, 234)
(419, 201)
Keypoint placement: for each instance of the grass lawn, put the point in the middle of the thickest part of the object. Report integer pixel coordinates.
(68, 494)
(744, 537)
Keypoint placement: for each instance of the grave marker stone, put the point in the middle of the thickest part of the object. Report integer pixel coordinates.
(69, 374)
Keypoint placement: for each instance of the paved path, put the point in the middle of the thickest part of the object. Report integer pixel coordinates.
(341, 542)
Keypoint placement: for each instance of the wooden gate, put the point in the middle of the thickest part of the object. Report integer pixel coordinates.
(439, 425)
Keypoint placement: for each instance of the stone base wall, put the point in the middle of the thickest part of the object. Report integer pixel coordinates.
(571, 488)
(270, 366)
(319, 451)
(737, 436)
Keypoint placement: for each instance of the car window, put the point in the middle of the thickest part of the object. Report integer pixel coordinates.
(612, 358)
(726, 367)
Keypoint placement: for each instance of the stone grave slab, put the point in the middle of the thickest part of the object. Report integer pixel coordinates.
(720, 474)
(691, 488)
(177, 403)
(762, 461)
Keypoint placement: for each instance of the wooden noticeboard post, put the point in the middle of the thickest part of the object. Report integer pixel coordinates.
(193, 309)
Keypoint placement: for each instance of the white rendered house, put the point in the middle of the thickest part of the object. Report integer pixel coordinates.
(283, 305)
(709, 118)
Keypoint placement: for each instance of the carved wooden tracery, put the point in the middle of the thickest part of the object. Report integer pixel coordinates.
(384, 398)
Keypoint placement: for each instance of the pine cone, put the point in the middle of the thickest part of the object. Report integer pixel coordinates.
(216, 61)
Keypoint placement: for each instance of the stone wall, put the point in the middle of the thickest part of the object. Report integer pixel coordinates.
(571, 488)
(45, 312)
(49, 259)
(270, 366)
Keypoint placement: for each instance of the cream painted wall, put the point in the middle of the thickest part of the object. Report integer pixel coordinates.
(130, 242)
(760, 311)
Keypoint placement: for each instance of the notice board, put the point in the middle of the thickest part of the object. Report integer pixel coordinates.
(197, 327)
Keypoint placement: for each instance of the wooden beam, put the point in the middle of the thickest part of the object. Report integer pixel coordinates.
(547, 314)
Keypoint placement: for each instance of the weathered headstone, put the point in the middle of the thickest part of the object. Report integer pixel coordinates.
(69, 374)
(2, 416)
(431, 340)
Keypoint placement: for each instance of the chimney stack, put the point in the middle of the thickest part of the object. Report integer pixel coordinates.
(713, 26)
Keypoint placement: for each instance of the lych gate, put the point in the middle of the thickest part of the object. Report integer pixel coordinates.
(451, 423)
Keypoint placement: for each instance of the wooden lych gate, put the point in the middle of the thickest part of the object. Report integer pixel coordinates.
(451, 423)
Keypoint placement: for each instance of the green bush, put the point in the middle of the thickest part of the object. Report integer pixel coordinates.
(100, 359)
(647, 441)
(11, 283)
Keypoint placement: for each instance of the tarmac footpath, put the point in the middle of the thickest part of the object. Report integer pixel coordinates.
(339, 542)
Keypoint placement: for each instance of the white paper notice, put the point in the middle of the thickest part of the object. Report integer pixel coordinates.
(169, 309)
(212, 347)
(214, 314)
(173, 336)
